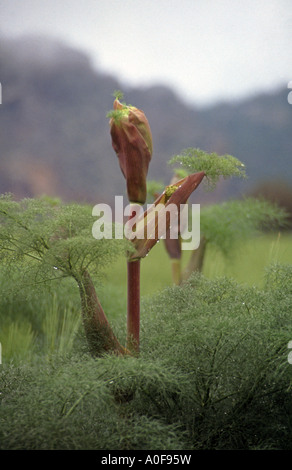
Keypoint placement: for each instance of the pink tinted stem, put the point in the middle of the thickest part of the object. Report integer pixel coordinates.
(133, 312)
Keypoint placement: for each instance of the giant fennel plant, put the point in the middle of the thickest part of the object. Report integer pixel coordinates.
(54, 241)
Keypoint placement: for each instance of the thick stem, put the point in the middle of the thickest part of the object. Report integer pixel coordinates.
(98, 331)
(133, 311)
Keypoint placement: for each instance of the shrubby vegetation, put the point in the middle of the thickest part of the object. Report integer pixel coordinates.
(212, 374)
(50, 241)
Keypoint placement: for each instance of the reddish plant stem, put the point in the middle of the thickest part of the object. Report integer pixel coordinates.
(133, 311)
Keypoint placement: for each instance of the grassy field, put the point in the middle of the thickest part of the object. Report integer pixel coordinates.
(246, 263)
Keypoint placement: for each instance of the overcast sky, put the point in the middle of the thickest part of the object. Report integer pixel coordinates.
(206, 50)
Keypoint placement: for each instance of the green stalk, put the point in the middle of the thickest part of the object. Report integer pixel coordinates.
(133, 308)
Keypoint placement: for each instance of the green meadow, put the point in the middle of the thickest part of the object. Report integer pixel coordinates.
(246, 263)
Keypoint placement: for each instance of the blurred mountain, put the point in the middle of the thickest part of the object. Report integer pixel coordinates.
(54, 134)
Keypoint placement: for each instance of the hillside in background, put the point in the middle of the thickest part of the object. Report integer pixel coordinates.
(54, 134)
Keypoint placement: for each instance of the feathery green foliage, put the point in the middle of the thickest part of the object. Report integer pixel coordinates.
(212, 374)
(82, 404)
(56, 239)
(231, 342)
(215, 166)
(49, 242)
(118, 95)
